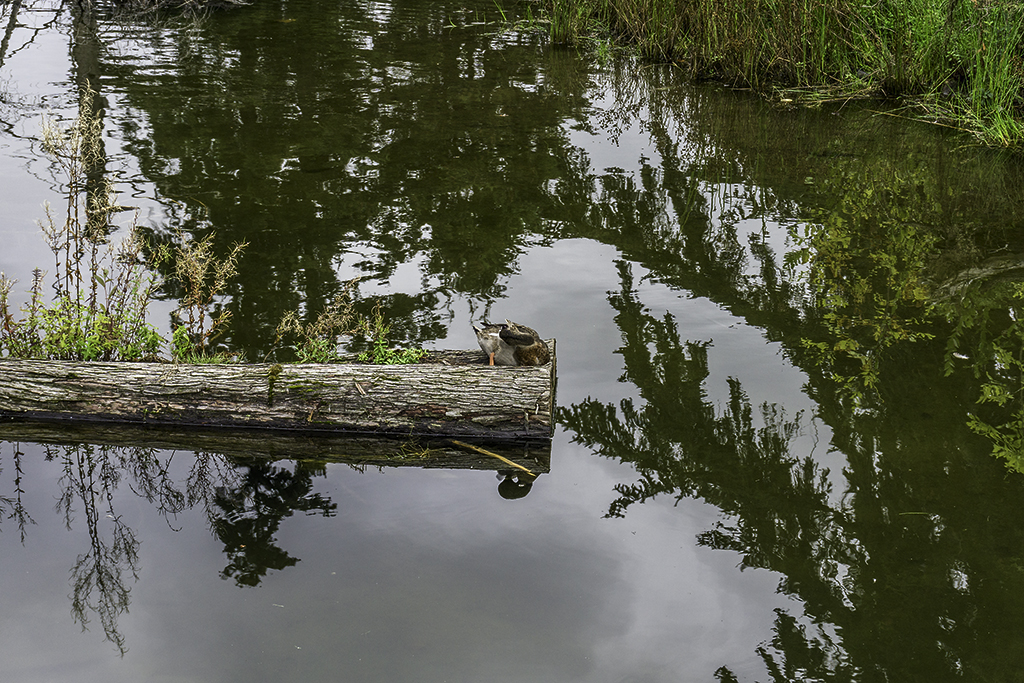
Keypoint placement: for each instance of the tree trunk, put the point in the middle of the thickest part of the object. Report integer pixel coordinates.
(452, 394)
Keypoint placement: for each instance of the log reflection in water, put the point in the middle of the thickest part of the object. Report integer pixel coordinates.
(245, 483)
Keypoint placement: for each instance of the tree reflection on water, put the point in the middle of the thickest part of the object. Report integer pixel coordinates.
(899, 576)
(407, 153)
(246, 516)
(244, 484)
(245, 501)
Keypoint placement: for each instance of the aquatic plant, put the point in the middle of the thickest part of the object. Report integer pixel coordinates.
(988, 334)
(872, 268)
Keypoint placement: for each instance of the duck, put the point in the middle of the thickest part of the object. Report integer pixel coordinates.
(527, 346)
(512, 344)
(488, 336)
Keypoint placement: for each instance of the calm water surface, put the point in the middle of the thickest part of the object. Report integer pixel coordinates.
(716, 508)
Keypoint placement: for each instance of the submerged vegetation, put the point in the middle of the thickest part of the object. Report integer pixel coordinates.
(988, 319)
(184, 7)
(961, 62)
(880, 290)
(868, 256)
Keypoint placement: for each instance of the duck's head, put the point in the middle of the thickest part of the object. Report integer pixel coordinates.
(489, 339)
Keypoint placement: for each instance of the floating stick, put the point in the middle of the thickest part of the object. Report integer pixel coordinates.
(493, 455)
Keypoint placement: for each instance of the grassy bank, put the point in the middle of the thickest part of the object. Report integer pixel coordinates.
(958, 61)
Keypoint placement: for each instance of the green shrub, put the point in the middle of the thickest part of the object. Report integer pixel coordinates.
(101, 290)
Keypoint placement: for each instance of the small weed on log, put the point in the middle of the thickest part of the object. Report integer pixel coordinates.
(319, 341)
(380, 352)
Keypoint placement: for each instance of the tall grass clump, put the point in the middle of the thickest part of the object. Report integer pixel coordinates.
(100, 291)
(319, 340)
(199, 320)
(991, 65)
(574, 20)
(960, 58)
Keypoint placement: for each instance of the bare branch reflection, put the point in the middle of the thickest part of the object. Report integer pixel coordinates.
(13, 507)
(100, 575)
(244, 494)
(244, 500)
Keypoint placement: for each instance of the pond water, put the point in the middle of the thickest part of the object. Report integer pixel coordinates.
(720, 505)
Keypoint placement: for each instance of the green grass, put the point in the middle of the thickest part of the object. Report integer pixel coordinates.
(958, 59)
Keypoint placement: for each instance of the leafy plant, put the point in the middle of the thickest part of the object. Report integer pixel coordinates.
(319, 341)
(380, 352)
(203, 277)
(101, 290)
(989, 326)
(184, 350)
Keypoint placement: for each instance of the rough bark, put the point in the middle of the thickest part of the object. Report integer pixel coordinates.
(452, 395)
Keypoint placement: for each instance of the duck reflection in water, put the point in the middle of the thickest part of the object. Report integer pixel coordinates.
(514, 484)
(511, 344)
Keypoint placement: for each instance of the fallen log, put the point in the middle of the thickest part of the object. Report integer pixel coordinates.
(452, 393)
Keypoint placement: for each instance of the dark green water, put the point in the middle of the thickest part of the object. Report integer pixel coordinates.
(719, 507)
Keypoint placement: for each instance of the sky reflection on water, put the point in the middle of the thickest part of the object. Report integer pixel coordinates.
(419, 575)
